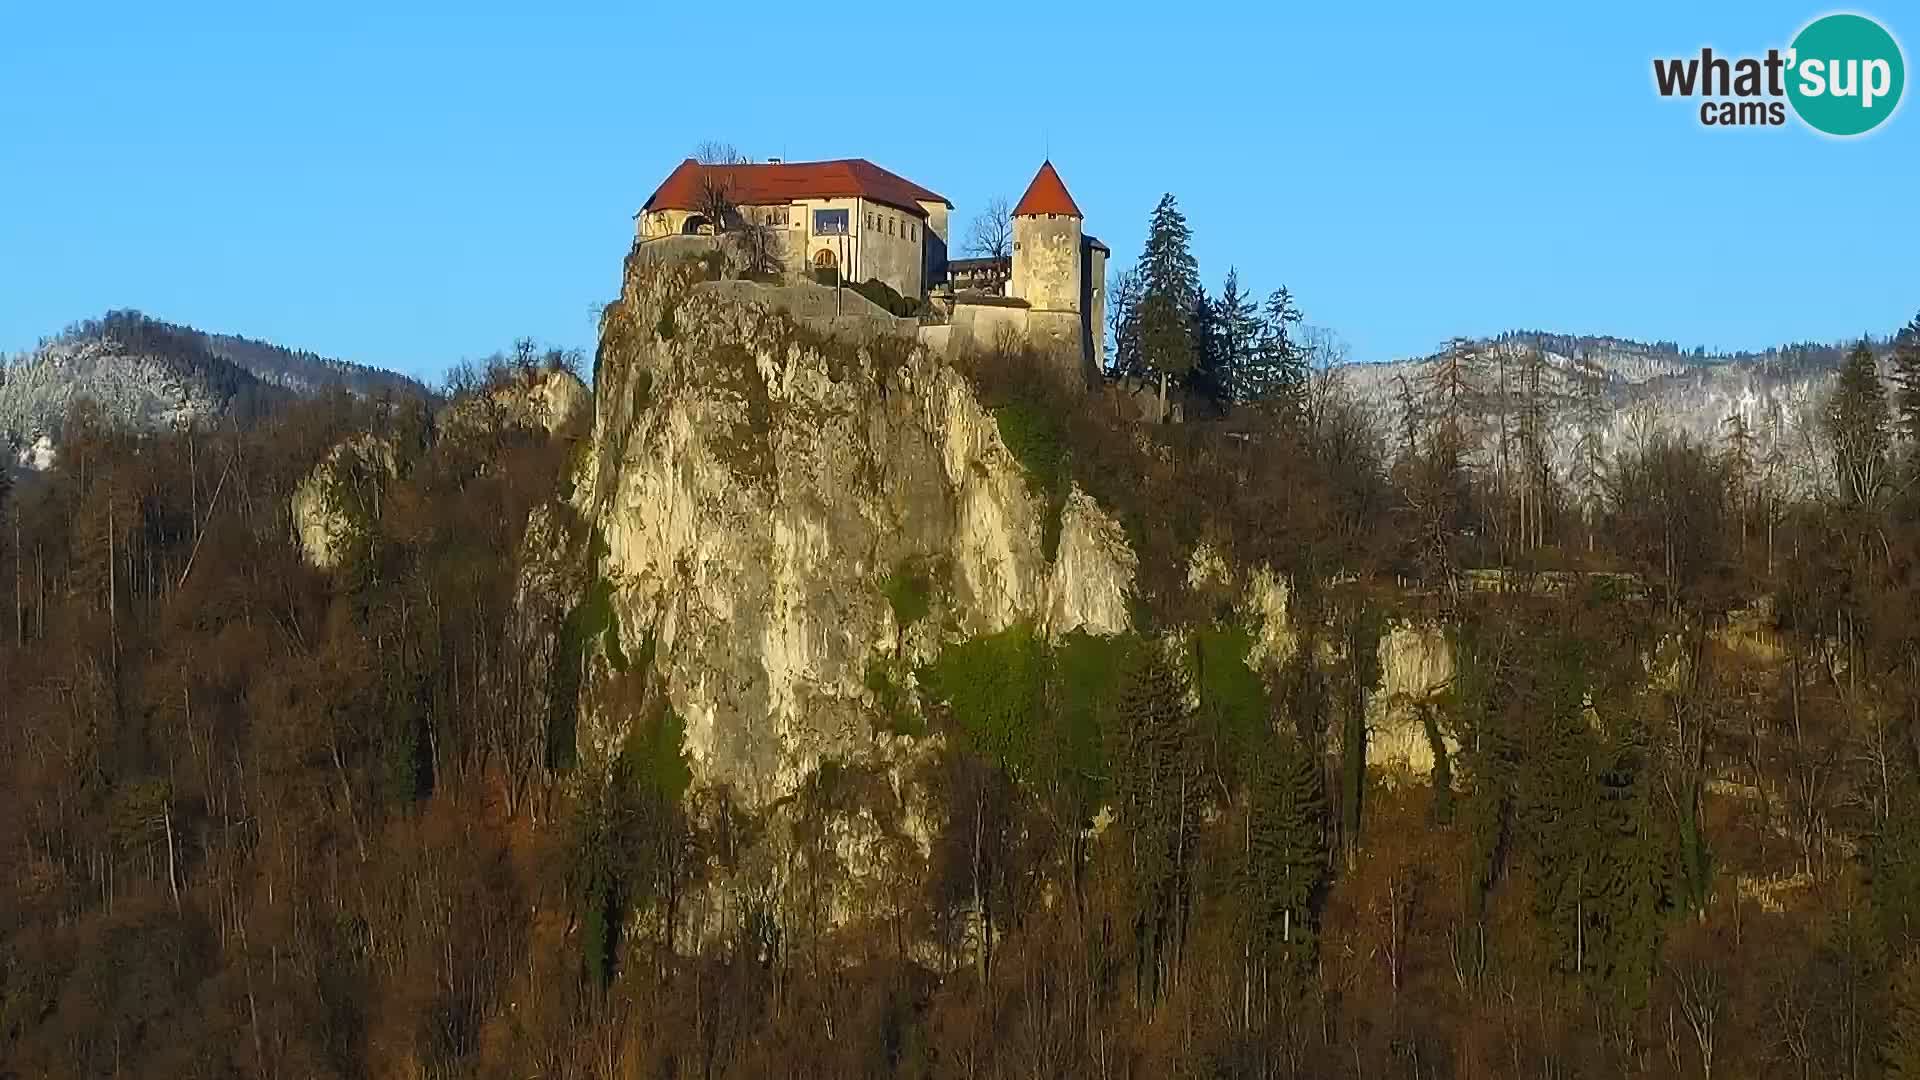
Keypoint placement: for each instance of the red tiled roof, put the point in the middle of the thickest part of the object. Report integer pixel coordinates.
(770, 184)
(1046, 195)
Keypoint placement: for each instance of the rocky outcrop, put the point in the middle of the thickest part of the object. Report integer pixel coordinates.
(325, 504)
(1415, 660)
(1416, 663)
(755, 482)
(550, 399)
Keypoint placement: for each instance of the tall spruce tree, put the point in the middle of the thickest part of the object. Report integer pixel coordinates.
(1277, 369)
(1212, 375)
(1555, 809)
(1857, 424)
(1158, 792)
(1240, 330)
(1625, 904)
(1227, 336)
(1169, 291)
(1906, 378)
(1287, 851)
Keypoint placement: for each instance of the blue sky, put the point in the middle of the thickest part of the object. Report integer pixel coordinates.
(410, 189)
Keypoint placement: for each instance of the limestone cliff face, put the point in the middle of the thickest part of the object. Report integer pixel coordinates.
(1416, 662)
(320, 506)
(754, 483)
(550, 399)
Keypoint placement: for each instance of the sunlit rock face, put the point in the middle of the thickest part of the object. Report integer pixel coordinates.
(322, 517)
(1416, 663)
(755, 482)
(551, 400)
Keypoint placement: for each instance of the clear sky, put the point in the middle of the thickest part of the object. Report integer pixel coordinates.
(407, 190)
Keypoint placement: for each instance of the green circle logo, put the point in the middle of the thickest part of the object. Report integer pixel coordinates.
(1845, 74)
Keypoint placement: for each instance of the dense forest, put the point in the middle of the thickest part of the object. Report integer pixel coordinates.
(263, 819)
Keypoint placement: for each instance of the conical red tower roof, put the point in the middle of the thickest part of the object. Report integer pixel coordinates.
(1046, 195)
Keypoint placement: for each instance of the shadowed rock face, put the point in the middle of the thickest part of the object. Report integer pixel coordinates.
(755, 482)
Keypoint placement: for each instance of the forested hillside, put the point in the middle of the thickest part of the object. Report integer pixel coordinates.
(1604, 392)
(146, 373)
(453, 807)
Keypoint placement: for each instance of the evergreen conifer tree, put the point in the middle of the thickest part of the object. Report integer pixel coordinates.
(1169, 291)
(1857, 424)
(1555, 809)
(1228, 335)
(1900, 1050)
(1212, 374)
(1906, 378)
(1625, 903)
(1240, 330)
(1158, 793)
(1277, 370)
(1287, 851)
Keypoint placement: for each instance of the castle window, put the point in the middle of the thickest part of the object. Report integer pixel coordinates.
(889, 226)
(916, 232)
(830, 223)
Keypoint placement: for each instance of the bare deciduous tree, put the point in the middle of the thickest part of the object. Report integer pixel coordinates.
(759, 245)
(990, 235)
(716, 152)
(1703, 1001)
(716, 201)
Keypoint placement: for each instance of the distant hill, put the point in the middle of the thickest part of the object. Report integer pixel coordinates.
(151, 374)
(1777, 391)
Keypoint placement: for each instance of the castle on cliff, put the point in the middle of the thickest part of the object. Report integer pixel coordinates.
(857, 221)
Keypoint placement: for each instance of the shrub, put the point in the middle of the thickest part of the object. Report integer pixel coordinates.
(1234, 706)
(993, 688)
(909, 592)
(1038, 710)
(886, 679)
(884, 296)
(1033, 438)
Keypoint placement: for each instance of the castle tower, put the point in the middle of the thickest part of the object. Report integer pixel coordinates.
(1047, 265)
(1051, 259)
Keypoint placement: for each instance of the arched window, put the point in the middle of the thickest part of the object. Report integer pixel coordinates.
(697, 226)
(825, 259)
